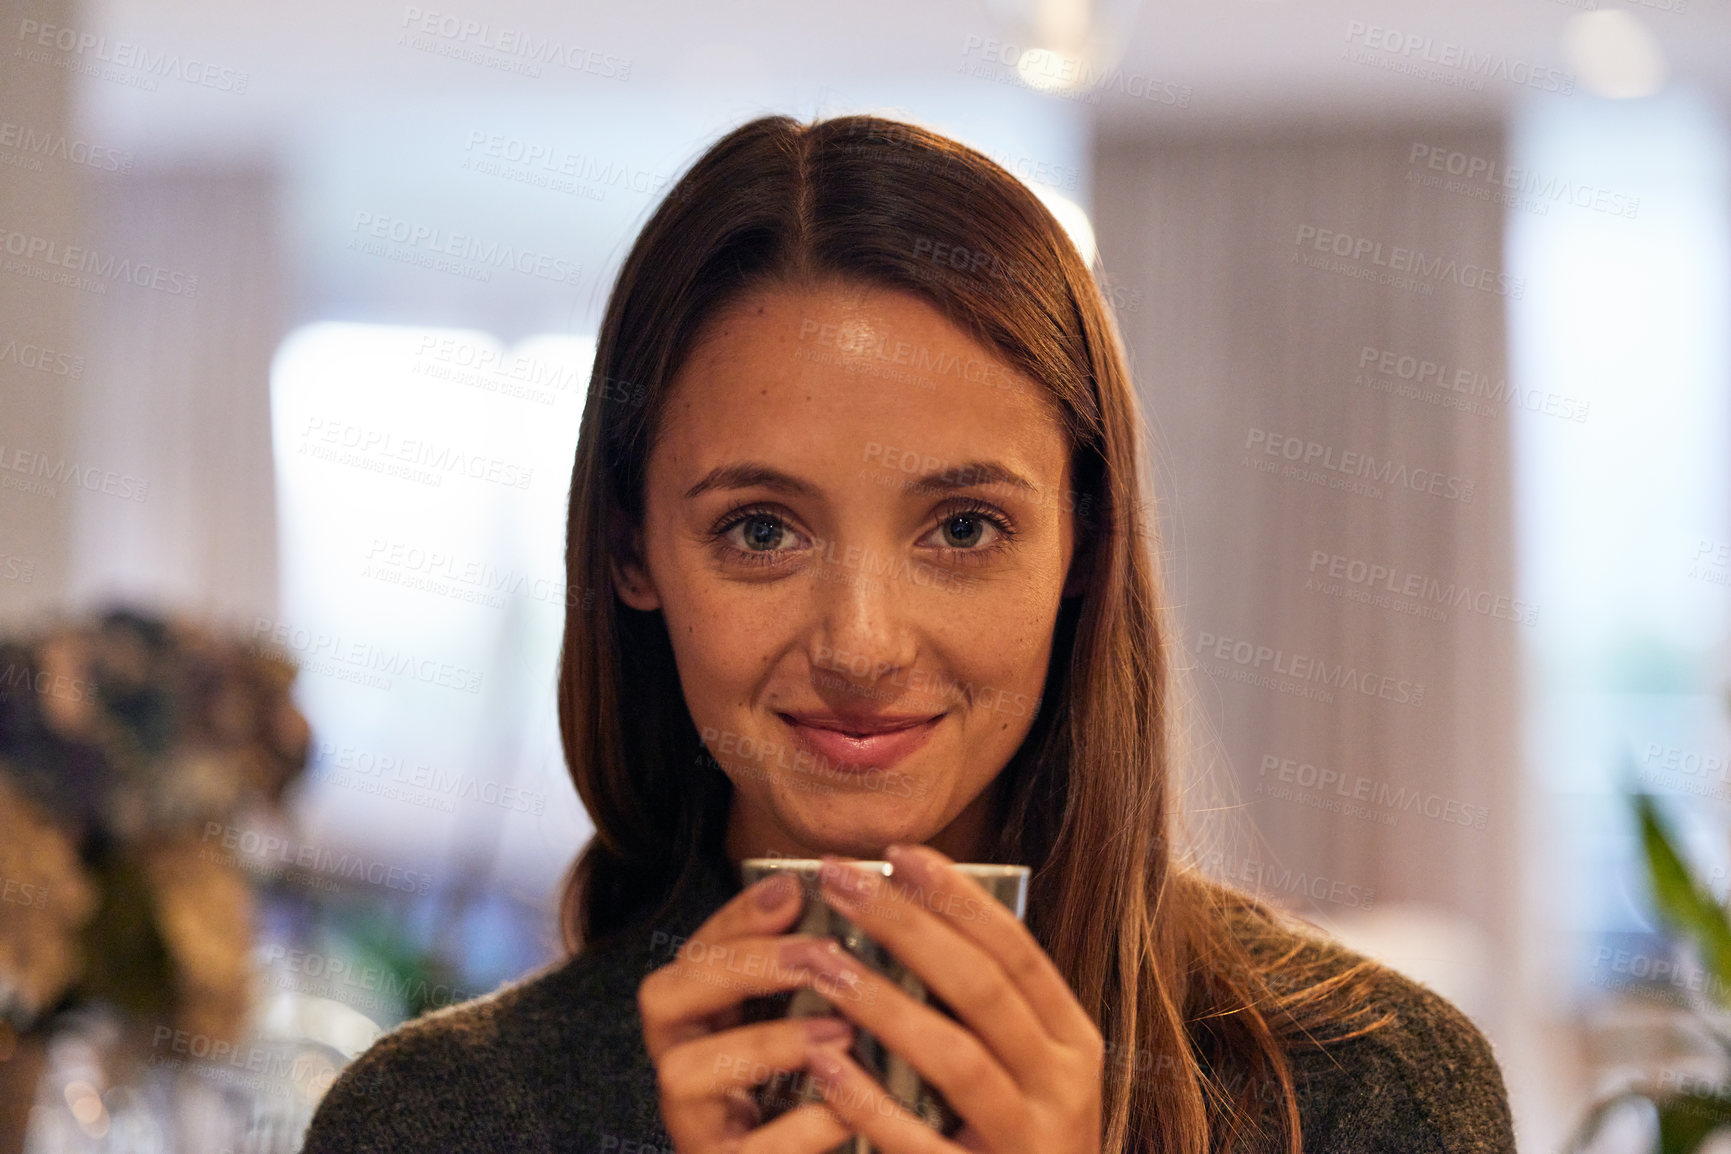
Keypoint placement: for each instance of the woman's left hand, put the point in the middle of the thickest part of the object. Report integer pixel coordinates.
(1023, 1065)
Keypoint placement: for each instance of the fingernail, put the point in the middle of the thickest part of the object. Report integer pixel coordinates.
(829, 960)
(826, 1029)
(796, 953)
(775, 891)
(825, 1062)
(910, 864)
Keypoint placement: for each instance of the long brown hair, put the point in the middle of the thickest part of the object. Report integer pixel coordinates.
(1195, 1015)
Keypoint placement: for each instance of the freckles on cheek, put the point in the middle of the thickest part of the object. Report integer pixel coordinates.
(734, 637)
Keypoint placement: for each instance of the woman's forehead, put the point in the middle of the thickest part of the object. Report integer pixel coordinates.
(840, 376)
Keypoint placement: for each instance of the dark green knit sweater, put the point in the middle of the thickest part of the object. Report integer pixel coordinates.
(556, 1063)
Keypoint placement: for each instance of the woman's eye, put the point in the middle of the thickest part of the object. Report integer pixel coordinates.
(759, 534)
(965, 530)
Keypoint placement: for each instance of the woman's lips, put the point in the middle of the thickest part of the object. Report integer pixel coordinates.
(876, 750)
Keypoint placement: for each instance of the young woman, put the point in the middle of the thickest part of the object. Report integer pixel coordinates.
(861, 468)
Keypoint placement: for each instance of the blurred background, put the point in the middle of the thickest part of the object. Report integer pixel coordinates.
(1427, 305)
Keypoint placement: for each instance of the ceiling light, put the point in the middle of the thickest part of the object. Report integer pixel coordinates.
(1614, 54)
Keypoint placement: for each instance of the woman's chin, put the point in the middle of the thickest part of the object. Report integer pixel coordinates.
(849, 825)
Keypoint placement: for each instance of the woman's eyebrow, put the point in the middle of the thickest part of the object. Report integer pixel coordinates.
(966, 476)
(756, 474)
(751, 475)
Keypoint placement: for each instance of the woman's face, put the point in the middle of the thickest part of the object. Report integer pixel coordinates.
(858, 526)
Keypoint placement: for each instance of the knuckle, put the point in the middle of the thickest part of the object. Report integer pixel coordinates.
(1025, 970)
(969, 1061)
(675, 1072)
(649, 994)
(666, 1075)
(992, 999)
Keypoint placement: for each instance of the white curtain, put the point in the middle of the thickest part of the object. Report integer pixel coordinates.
(41, 359)
(1239, 344)
(178, 395)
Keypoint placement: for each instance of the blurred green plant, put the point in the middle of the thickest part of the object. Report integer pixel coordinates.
(1686, 1117)
(421, 975)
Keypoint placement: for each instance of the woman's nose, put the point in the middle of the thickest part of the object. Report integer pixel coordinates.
(864, 631)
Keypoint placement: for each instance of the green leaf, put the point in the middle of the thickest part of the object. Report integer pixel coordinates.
(1688, 907)
(1686, 1120)
(416, 972)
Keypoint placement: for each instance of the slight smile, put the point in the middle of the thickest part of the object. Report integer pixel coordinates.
(860, 743)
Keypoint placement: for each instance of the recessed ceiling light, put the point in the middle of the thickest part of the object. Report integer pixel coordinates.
(1614, 54)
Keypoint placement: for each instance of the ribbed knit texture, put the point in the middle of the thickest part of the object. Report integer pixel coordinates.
(555, 1063)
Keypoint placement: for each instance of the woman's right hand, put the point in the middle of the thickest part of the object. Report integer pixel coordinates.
(707, 1060)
